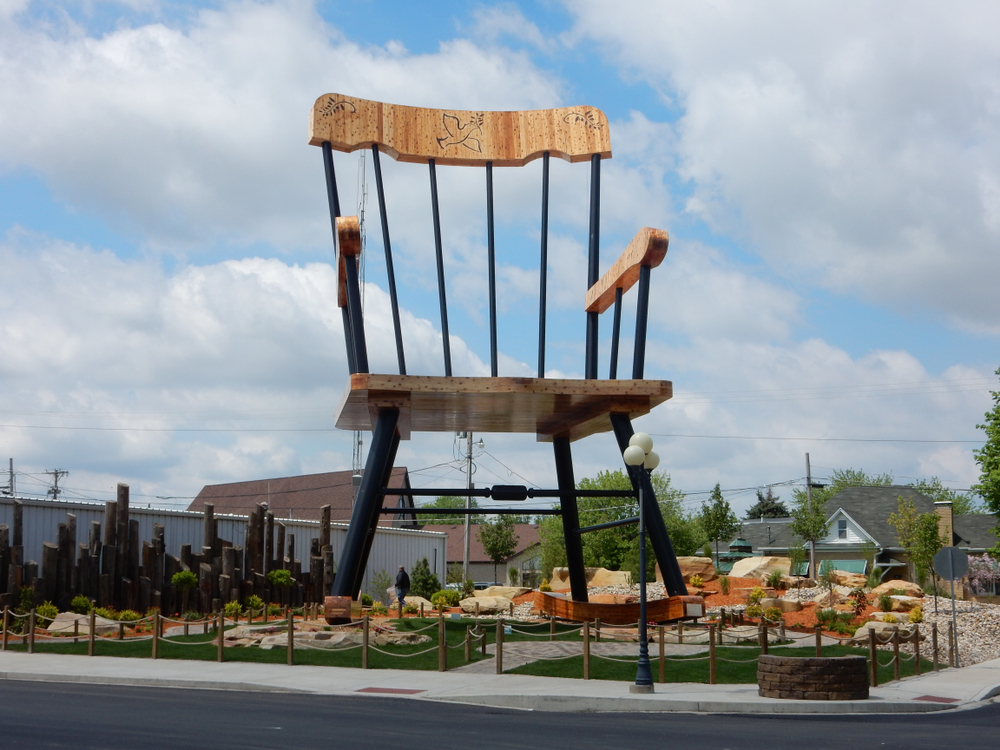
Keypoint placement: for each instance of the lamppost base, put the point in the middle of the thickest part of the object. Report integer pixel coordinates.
(640, 689)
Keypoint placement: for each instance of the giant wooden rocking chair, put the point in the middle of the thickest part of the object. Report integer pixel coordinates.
(556, 410)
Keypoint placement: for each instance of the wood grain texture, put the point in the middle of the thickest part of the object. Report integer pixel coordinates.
(658, 610)
(348, 243)
(548, 407)
(456, 137)
(647, 248)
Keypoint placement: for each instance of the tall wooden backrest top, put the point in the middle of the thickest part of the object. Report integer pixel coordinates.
(455, 137)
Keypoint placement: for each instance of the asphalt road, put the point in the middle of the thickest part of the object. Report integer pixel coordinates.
(85, 717)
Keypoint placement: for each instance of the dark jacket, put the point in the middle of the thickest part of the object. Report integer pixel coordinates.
(402, 581)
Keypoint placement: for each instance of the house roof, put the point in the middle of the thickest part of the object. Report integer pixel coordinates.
(527, 535)
(299, 497)
(975, 531)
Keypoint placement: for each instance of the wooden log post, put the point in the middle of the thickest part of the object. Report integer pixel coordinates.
(586, 650)
(31, 631)
(762, 637)
(468, 645)
(680, 632)
(399, 610)
(291, 636)
(76, 630)
(895, 654)
(552, 627)
(499, 646)
(711, 654)
(475, 604)
(597, 630)
(92, 635)
(364, 641)
(421, 611)
(156, 635)
(916, 649)
(819, 640)
(482, 639)
(6, 626)
(873, 656)
(220, 634)
(663, 655)
(442, 645)
(934, 644)
(951, 644)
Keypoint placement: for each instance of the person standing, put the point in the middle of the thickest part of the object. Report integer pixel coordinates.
(402, 586)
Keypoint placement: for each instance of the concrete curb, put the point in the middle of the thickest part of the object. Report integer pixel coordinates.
(160, 682)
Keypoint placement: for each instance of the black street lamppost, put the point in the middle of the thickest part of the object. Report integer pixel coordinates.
(640, 453)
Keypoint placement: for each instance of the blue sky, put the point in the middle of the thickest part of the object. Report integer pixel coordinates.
(829, 175)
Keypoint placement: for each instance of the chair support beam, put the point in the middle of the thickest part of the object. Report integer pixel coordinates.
(570, 519)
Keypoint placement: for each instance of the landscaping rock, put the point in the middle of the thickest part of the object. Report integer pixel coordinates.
(64, 624)
(758, 567)
(850, 580)
(785, 605)
(416, 601)
(487, 604)
(693, 566)
(508, 592)
(882, 629)
(905, 603)
(891, 587)
(595, 577)
(829, 599)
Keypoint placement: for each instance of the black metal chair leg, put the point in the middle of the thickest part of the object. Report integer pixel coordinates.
(354, 555)
(659, 537)
(373, 521)
(571, 520)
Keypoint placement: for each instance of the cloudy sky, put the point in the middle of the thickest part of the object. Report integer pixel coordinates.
(829, 174)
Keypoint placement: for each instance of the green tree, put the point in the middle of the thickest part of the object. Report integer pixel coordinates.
(988, 458)
(499, 540)
(718, 520)
(449, 501)
(422, 581)
(962, 504)
(767, 506)
(927, 540)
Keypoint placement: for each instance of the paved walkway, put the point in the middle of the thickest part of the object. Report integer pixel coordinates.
(947, 689)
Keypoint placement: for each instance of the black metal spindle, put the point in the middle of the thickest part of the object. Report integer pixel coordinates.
(593, 262)
(352, 358)
(445, 340)
(641, 317)
(543, 265)
(615, 333)
(388, 260)
(357, 322)
(491, 244)
(333, 201)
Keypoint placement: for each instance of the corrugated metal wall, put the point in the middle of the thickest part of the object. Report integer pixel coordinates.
(391, 548)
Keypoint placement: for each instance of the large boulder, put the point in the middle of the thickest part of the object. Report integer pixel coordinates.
(693, 566)
(487, 604)
(829, 599)
(509, 592)
(758, 567)
(905, 603)
(785, 605)
(851, 580)
(904, 588)
(595, 577)
(416, 601)
(63, 623)
(883, 630)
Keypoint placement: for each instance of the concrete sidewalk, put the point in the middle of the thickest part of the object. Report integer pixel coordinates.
(947, 689)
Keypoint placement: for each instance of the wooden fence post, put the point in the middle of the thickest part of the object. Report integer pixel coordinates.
(121, 631)
(399, 610)
(873, 656)
(499, 646)
(31, 631)
(468, 644)
(552, 627)
(586, 650)
(934, 644)
(680, 632)
(762, 637)
(6, 625)
(291, 636)
(442, 645)
(711, 654)
(364, 642)
(597, 630)
(819, 640)
(895, 654)
(221, 635)
(662, 655)
(482, 638)
(951, 644)
(156, 635)
(91, 636)
(916, 650)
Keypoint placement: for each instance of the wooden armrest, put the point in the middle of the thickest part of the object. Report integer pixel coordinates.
(348, 243)
(647, 248)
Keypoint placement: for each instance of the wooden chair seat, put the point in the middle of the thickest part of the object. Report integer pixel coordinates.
(548, 407)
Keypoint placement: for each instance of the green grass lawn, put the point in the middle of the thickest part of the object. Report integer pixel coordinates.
(695, 668)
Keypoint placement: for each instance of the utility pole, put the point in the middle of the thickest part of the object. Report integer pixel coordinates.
(468, 502)
(56, 474)
(809, 500)
(10, 484)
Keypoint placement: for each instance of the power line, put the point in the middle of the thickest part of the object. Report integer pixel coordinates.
(814, 439)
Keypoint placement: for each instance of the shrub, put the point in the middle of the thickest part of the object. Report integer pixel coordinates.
(381, 581)
(232, 609)
(859, 600)
(874, 577)
(254, 602)
(422, 581)
(916, 615)
(544, 585)
(191, 616)
(724, 585)
(273, 609)
(754, 610)
(184, 580)
(890, 618)
(27, 600)
(80, 604)
(445, 598)
(825, 616)
(47, 610)
(129, 615)
(514, 576)
(108, 613)
(280, 579)
(885, 602)
(697, 581)
(755, 595)
(773, 613)
(366, 600)
(898, 592)
(410, 609)
(774, 580)
(468, 589)
(378, 608)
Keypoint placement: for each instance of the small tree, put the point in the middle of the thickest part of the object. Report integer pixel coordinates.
(767, 506)
(904, 521)
(927, 540)
(380, 583)
(280, 580)
(718, 520)
(796, 556)
(422, 582)
(499, 540)
(184, 581)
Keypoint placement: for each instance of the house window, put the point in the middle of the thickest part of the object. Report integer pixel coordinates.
(842, 529)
